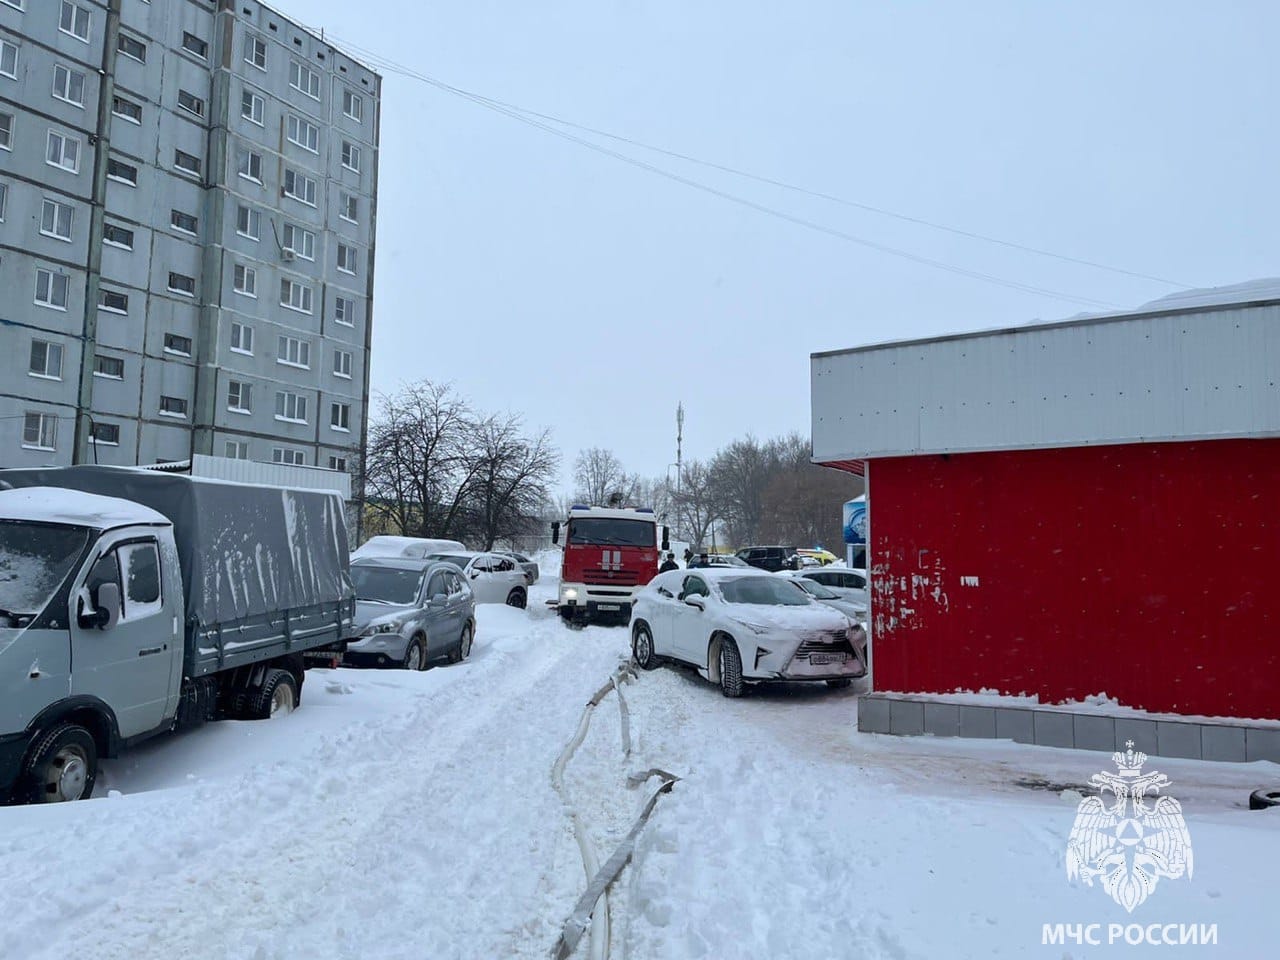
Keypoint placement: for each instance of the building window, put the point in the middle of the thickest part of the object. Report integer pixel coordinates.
(181, 283)
(245, 280)
(295, 296)
(56, 219)
(191, 103)
(63, 152)
(349, 208)
(112, 368)
(237, 450)
(173, 407)
(350, 156)
(242, 338)
(8, 60)
(193, 44)
(305, 79)
(248, 222)
(113, 301)
(294, 352)
(353, 106)
(340, 417)
(255, 51)
(4, 199)
(184, 222)
(74, 21)
(301, 242)
(6, 131)
(291, 407)
(173, 343)
(68, 85)
(284, 455)
(46, 360)
(344, 311)
(132, 47)
(300, 187)
(40, 431)
(342, 364)
(105, 433)
(126, 109)
(51, 289)
(252, 107)
(338, 463)
(123, 172)
(187, 163)
(239, 396)
(117, 236)
(249, 165)
(346, 258)
(304, 134)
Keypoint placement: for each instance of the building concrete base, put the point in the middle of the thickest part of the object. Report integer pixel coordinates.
(1159, 735)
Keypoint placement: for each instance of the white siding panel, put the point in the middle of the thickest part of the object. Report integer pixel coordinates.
(1207, 373)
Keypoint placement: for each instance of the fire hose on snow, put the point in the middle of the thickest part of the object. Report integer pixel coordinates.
(592, 908)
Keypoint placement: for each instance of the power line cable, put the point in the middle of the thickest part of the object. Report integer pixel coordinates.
(515, 114)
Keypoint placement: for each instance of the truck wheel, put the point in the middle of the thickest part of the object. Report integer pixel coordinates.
(731, 684)
(642, 647)
(1264, 799)
(414, 658)
(278, 697)
(517, 598)
(464, 646)
(63, 766)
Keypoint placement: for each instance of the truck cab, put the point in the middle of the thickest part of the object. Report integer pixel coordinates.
(91, 650)
(609, 554)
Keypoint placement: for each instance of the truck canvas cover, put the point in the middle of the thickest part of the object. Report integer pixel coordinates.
(246, 552)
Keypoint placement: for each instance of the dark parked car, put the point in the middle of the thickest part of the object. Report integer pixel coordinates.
(771, 558)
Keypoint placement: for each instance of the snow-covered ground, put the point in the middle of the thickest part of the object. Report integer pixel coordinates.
(412, 815)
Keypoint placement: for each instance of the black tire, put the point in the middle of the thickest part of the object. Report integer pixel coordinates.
(840, 683)
(731, 684)
(415, 655)
(278, 696)
(642, 647)
(517, 598)
(464, 645)
(1264, 799)
(63, 766)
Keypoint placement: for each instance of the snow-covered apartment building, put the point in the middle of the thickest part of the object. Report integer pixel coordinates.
(187, 208)
(1064, 510)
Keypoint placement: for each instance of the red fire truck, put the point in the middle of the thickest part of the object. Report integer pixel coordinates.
(609, 554)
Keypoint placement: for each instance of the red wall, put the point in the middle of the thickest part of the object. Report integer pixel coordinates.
(1149, 571)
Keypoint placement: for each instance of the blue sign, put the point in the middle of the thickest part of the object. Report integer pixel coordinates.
(855, 521)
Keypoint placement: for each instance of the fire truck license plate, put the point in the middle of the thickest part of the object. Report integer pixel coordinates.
(608, 606)
(821, 658)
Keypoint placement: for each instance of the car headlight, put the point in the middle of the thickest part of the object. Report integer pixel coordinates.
(569, 593)
(374, 629)
(759, 629)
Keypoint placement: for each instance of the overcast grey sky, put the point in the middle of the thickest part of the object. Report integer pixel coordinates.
(590, 296)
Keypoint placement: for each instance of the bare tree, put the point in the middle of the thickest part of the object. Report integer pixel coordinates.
(739, 475)
(695, 503)
(511, 487)
(598, 477)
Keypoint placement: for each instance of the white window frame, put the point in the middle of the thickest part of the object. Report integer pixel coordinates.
(243, 396)
(174, 350)
(8, 123)
(242, 334)
(257, 107)
(179, 290)
(178, 155)
(350, 321)
(350, 156)
(46, 430)
(50, 276)
(108, 376)
(107, 292)
(337, 464)
(203, 55)
(306, 296)
(293, 352)
(300, 74)
(254, 48)
(118, 244)
(75, 16)
(4, 198)
(119, 179)
(93, 434)
(352, 105)
(291, 234)
(346, 203)
(254, 218)
(63, 140)
(12, 49)
(195, 107)
(117, 98)
(300, 179)
(174, 414)
(342, 363)
(340, 417)
(347, 253)
(289, 455)
(123, 40)
(251, 159)
(302, 133)
(63, 92)
(286, 399)
(173, 222)
(59, 210)
(244, 280)
(236, 449)
(49, 348)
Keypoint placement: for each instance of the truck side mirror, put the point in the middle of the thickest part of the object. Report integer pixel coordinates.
(666, 538)
(107, 604)
(555, 532)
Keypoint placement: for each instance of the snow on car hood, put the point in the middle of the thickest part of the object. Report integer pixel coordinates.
(810, 618)
(368, 611)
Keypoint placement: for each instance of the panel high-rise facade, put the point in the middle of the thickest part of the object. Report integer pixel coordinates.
(187, 206)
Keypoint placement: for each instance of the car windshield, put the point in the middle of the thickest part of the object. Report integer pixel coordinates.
(725, 561)
(770, 591)
(614, 531)
(815, 589)
(35, 558)
(386, 584)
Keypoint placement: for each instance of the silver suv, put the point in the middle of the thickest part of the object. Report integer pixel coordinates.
(409, 612)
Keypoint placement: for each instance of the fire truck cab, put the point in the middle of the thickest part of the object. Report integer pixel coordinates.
(609, 554)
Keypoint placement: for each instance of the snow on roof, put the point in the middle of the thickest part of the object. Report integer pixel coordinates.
(57, 505)
(619, 513)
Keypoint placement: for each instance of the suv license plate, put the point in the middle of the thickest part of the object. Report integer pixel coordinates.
(608, 606)
(818, 659)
